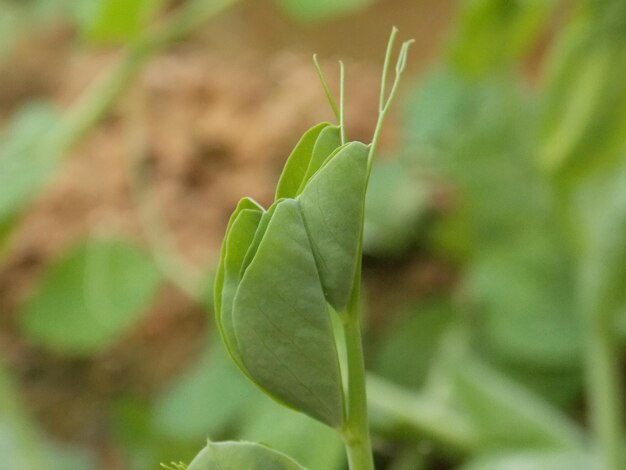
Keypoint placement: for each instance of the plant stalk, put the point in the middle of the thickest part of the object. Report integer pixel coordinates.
(356, 434)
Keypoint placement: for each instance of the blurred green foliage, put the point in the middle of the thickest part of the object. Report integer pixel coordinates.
(23, 165)
(106, 21)
(89, 298)
(317, 10)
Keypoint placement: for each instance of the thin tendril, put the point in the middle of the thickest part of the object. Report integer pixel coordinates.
(329, 95)
(342, 125)
(385, 102)
(383, 85)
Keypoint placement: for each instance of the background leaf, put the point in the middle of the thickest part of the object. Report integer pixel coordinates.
(90, 297)
(24, 165)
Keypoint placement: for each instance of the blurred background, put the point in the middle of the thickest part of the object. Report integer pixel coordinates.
(495, 232)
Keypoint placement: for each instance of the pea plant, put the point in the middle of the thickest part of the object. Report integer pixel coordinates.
(287, 289)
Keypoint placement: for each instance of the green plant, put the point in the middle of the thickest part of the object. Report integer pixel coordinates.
(287, 290)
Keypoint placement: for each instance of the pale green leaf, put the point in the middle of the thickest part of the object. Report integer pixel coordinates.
(241, 455)
(89, 297)
(282, 322)
(332, 207)
(327, 142)
(239, 239)
(298, 162)
(258, 235)
(244, 203)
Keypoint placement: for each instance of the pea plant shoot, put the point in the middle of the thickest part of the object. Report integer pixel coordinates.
(287, 289)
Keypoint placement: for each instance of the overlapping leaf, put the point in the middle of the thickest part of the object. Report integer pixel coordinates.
(280, 268)
(281, 321)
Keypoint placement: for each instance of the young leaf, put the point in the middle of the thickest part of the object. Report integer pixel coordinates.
(90, 297)
(244, 203)
(241, 455)
(282, 325)
(259, 234)
(332, 208)
(298, 162)
(239, 239)
(327, 142)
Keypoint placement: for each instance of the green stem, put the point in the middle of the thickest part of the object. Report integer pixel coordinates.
(604, 388)
(356, 432)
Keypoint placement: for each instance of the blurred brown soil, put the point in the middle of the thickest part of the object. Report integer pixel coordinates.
(214, 122)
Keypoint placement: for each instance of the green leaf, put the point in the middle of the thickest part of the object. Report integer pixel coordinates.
(507, 415)
(258, 235)
(332, 206)
(118, 20)
(282, 324)
(317, 10)
(298, 163)
(327, 142)
(532, 461)
(24, 164)
(88, 298)
(243, 204)
(241, 455)
(239, 239)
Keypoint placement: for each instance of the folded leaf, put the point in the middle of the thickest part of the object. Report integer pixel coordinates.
(244, 203)
(258, 235)
(241, 455)
(298, 162)
(327, 142)
(281, 321)
(332, 206)
(239, 239)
